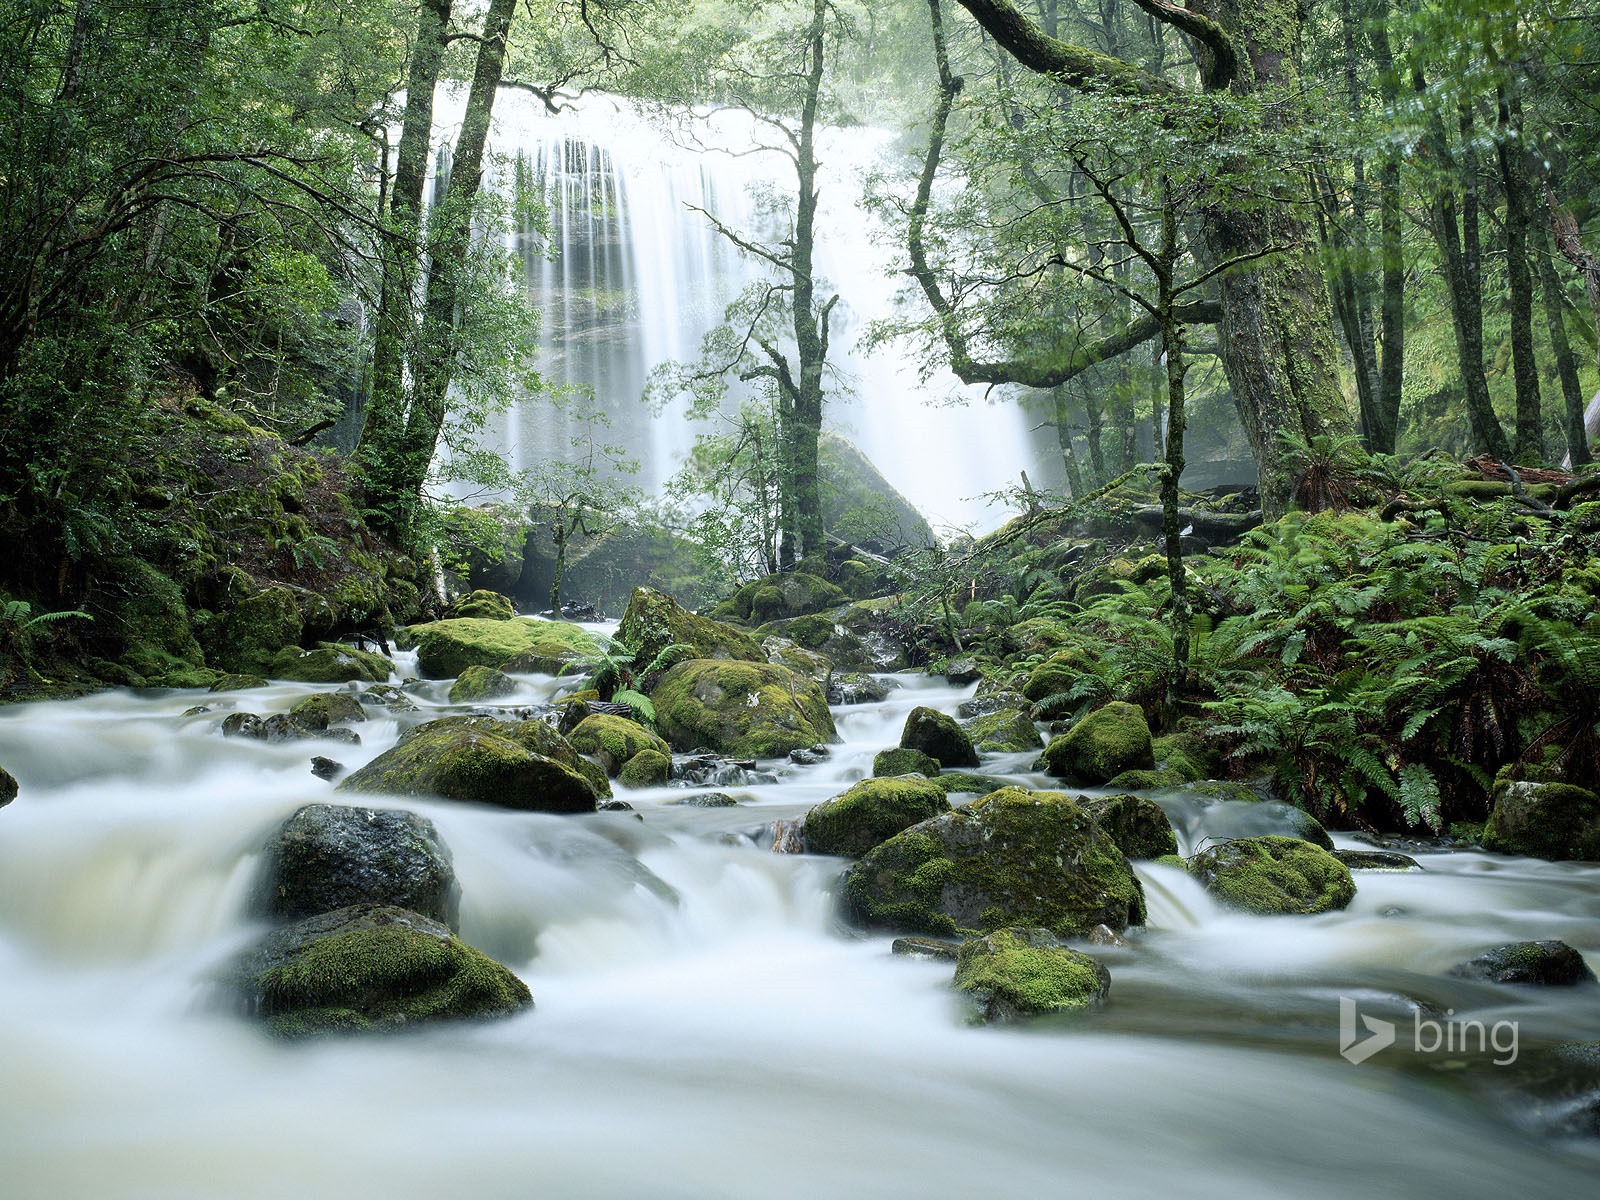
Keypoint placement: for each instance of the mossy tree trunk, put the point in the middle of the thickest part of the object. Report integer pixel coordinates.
(1528, 443)
(1275, 329)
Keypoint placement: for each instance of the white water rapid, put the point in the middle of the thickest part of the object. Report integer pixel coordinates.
(705, 1026)
(630, 275)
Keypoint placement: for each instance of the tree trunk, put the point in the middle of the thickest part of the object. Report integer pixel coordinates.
(1391, 369)
(1528, 445)
(1461, 260)
(1276, 330)
(382, 432)
(1578, 454)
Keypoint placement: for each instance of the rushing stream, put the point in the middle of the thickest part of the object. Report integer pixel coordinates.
(705, 1027)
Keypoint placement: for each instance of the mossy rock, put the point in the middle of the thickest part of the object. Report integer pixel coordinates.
(744, 709)
(1544, 820)
(253, 631)
(328, 708)
(871, 812)
(939, 736)
(1544, 964)
(962, 783)
(238, 683)
(8, 787)
(329, 662)
(1147, 781)
(788, 653)
(1012, 974)
(1037, 635)
(328, 856)
(481, 605)
(445, 649)
(477, 684)
(613, 741)
(654, 620)
(784, 594)
(149, 618)
(1013, 857)
(537, 737)
(1137, 825)
(901, 761)
(1185, 753)
(1112, 739)
(1007, 732)
(1056, 674)
(1224, 789)
(647, 768)
(465, 761)
(850, 637)
(1272, 875)
(371, 968)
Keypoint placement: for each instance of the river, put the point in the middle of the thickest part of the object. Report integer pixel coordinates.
(704, 1025)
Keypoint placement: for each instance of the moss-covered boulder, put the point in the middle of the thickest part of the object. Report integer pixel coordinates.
(328, 708)
(745, 709)
(871, 812)
(1146, 781)
(1037, 635)
(1544, 820)
(1110, 740)
(8, 787)
(481, 604)
(939, 736)
(648, 768)
(1545, 964)
(1013, 973)
(900, 761)
(784, 594)
(1004, 732)
(328, 856)
(371, 968)
(1185, 753)
(477, 684)
(254, 629)
(654, 620)
(787, 653)
(482, 761)
(238, 683)
(329, 662)
(959, 783)
(613, 741)
(445, 649)
(860, 506)
(1055, 675)
(143, 609)
(1137, 825)
(1013, 857)
(1270, 875)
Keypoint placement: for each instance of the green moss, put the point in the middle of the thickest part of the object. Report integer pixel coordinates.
(328, 708)
(478, 683)
(1004, 732)
(1037, 635)
(383, 977)
(329, 662)
(482, 605)
(254, 630)
(1014, 973)
(957, 782)
(1545, 820)
(901, 761)
(1184, 753)
(746, 709)
(1172, 860)
(1055, 675)
(1110, 740)
(653, 621)
(614, 740)
(1147, 781)
(1479, 489)
(238, 683)
(1138, 826)
(872, 811)
(1271, 875)
(1012, 857)
(647, 768)
(447, 648)
(465, 761)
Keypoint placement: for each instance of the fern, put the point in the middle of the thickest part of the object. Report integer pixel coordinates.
(643, 710)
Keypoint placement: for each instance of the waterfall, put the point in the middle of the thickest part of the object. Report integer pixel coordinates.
(626, 275)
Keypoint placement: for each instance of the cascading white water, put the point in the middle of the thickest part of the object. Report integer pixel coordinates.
(631, 276)
(706, 1027)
